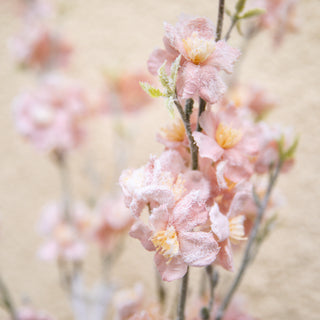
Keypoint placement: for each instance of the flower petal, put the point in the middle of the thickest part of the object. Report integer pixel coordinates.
(219, 223)
(208, 147)
(224, 56)
(143, 233)
(173, 270)
(198, 249)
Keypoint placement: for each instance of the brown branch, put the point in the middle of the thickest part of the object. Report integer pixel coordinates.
(262, 205)
(220, 20)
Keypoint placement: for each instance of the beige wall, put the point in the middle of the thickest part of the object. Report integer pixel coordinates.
(284, 282)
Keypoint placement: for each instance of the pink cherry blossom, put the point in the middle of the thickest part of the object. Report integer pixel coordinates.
(123, 93)
(269, 137)
(280, 16)
(28, 313)
(227, 137)
(40, 48)
(235, 311)
(253, 97)
(229, 228)
(51, 116)
(158, 183)
(127, 302)
(202, 58)
(113, 220)
(172, 234)
(65, 236)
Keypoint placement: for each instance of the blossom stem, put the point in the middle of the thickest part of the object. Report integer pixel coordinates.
(161, 291)
(220, 20)
(213, 281)
(202, 107)
(194, 156)
(193, 145)
(183, 296)
(65, 183)
(7, 300)
(262, 205)
(233, 23)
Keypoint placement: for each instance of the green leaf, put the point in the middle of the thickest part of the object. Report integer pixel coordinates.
(170, 105)
(238, 25)
(252, 13)
(163, 77)
(291, 151)
(240, 5)
(153, 92)
(228, 12)
(174, 71)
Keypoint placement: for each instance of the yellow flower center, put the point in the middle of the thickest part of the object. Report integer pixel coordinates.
(198, 49)
(174, 132)
(176, 186)
(236, 229)
(227, 137)
(166, 242)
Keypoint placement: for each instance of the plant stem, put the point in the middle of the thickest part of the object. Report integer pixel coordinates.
(220, 20)
(213, 281)
(193, 145)
(7, 300)
(202, 107)
(183, 296)
(262, 205)
(233, 23)
(65, 184)
(161, 291)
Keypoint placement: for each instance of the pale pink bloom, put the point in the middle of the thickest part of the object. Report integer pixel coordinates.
(64, 239)
(173, 235)
(160, 182)
(127, 302)
(227, 137)
(51, 116)
(123, 94)
(113, 220)
(280, 16)
(28, 313)
(235, 311)
(40, 48)
(269, 138)
(202, 58)
(150, 313)
(130, 94)
(253, 97)
(35, 10)
(229, 228)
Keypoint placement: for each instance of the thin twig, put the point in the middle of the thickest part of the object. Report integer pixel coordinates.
(65, 184)
(262, 205)
(220, 20)
(192, 143)
(183, 296)
(161, 292)
(202, 107)
(7, 300)
(233, 23)
(213, 277)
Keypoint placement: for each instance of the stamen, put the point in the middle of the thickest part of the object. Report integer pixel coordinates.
(227, 137)
(236, 228)
(174, 132)
(166, 243)
(198, 49)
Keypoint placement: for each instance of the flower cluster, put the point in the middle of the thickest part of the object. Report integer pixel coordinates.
(196, 216)
(51, 116)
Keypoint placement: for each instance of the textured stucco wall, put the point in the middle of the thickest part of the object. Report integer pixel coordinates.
(284, 281)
